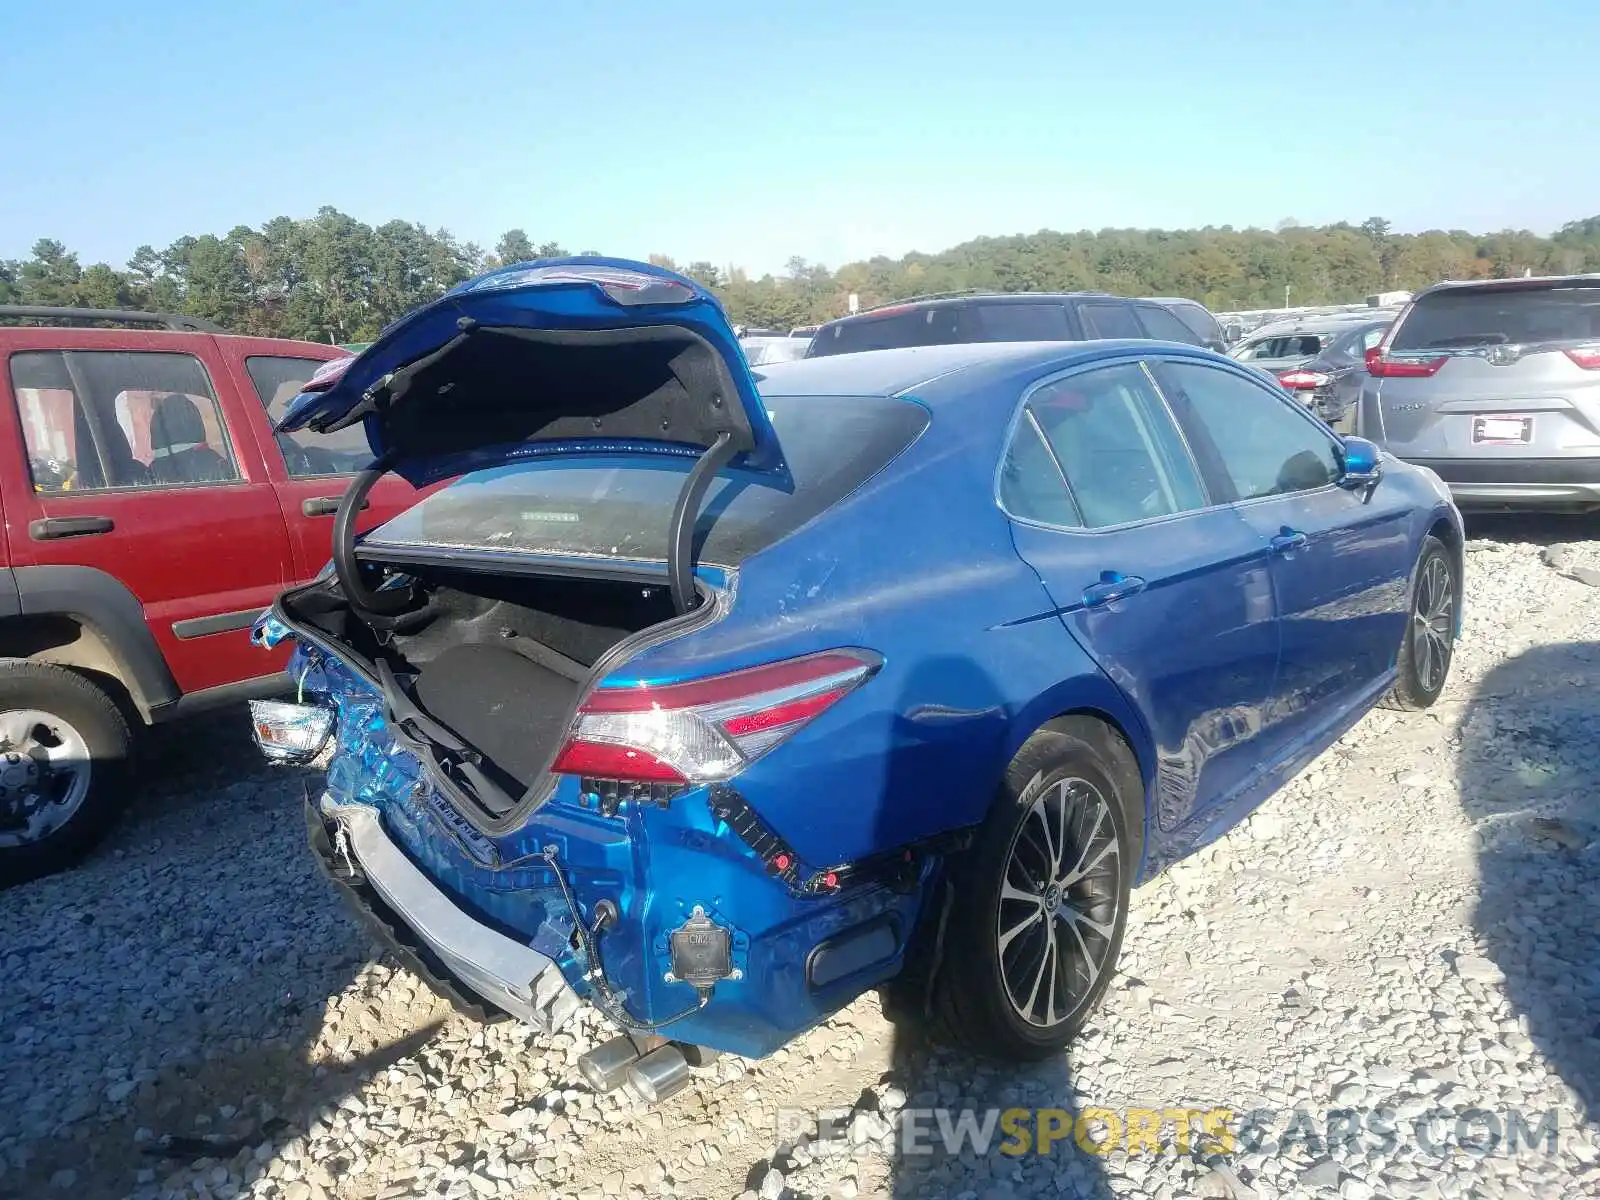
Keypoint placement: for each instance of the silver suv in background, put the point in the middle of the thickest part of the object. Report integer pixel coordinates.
(1495, 386)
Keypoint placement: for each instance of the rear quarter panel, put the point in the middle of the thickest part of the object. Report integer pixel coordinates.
(917, 565)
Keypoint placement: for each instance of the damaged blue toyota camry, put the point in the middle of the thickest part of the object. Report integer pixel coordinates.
(714, 697)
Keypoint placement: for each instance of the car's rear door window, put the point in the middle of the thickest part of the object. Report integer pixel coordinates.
(1159, 323)
(1266, 444)
(97, 420)
(1468, 317)
(890, 330)
(1016, 322)
(278, 379)
(1112, 445)
(616, 506)
(1200, 322)
(1033, 485)
(1111, 320)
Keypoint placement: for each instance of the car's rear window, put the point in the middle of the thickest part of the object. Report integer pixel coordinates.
(1292, 345)
(1456, 319)
(945, 325)
(619, 507)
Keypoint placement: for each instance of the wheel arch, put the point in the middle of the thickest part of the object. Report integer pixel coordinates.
(87, 620)
(1450, 533)
(1102, 704)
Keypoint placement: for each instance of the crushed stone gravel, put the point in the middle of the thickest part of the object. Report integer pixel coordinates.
(1409, 932)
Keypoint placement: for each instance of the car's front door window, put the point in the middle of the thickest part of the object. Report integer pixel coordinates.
(1161, 324)
(1265, 445)
(95, 420)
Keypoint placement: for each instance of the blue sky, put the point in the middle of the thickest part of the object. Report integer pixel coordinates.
(747, 133)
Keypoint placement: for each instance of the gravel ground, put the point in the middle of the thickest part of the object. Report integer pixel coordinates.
(1408, 934)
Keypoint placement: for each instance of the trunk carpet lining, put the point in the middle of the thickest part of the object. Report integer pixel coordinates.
(510, 708)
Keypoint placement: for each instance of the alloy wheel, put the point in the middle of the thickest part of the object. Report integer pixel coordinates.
(1433, 623)
(1058, 902)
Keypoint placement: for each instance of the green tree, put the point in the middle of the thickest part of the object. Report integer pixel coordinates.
(514, 246)
(51, 276)
(332, 278)
(704, 273)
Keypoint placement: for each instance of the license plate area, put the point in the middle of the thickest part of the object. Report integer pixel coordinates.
(1489, 430)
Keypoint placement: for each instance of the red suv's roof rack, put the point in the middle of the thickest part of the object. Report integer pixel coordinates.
(121, 316)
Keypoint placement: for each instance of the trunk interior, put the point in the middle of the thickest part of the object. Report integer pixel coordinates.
(498, 660)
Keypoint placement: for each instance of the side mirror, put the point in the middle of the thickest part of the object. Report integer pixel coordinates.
(1363, 466)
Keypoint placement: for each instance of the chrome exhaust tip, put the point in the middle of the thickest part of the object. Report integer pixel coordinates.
(605, 1068)
(659, 1075)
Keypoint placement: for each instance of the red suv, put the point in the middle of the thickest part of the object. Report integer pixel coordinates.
(150, 514)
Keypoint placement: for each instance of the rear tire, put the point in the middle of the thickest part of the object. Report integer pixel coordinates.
(65, 751)
(1429, 644)
(1040, 900)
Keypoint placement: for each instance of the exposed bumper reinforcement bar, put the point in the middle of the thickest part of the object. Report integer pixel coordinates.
(458, 955)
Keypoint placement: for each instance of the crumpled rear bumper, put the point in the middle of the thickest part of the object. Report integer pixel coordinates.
(480, 915)
(478, 969)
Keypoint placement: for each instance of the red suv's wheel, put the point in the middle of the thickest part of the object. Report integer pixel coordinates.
(64, 750)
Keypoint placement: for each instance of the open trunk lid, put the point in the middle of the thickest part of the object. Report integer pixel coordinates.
(558, 356)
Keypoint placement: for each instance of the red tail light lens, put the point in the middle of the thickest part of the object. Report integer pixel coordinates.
(1380, 366)
(1302, 381)
(706, 730)
(1587, 357)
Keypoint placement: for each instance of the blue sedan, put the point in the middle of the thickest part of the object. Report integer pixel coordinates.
(714, 696)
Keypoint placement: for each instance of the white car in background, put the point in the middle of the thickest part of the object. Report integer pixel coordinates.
(764, 351)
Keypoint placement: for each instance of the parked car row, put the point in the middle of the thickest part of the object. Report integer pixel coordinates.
(764, 351)
(1493, 384)
(1321, 361)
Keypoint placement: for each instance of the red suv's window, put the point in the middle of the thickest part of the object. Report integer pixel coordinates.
(278, 380)
(119, 419)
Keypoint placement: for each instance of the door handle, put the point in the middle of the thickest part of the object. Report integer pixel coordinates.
(47, 529)
(326, 506)
(1288, 540)
(1111, 588)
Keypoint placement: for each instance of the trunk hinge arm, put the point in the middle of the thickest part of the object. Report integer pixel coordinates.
(680, 544)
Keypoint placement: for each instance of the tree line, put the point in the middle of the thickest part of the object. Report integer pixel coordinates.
(332, 278)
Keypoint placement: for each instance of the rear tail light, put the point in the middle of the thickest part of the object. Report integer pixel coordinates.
(706, 730)
(1380, 366)
(1587, 357)
(1303, 381)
